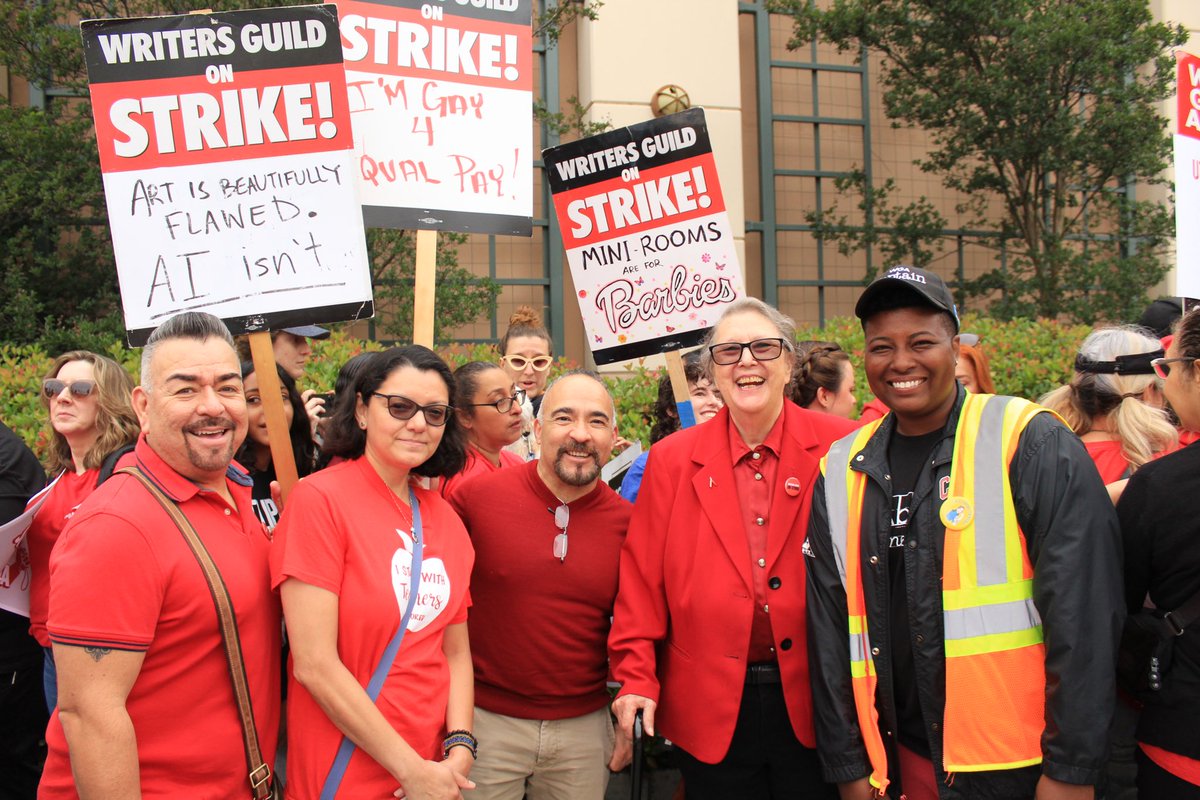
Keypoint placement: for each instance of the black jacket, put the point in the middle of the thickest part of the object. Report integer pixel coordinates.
(1074, 546)
(1160, 523)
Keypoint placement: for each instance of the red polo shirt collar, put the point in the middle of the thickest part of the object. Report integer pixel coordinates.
(176, 486)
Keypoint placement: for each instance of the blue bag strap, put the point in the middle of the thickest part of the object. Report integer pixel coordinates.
(375, 685)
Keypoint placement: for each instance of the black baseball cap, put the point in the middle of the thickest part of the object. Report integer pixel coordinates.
(915, 287)
(308, 331)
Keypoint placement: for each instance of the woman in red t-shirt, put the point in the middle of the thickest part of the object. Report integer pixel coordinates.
(90, 417)
(489, 408)
(342, 559)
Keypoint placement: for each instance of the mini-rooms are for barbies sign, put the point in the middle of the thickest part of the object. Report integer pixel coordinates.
(646, 234)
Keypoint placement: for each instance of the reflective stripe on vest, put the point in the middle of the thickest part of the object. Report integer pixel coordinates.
(992, 632)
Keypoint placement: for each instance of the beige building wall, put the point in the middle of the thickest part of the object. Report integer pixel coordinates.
(707, 47)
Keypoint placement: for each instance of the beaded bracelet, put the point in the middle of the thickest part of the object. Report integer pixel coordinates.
(460, 738)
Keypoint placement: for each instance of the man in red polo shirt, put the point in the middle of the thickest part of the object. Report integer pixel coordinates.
(146, 706)
(547, 537)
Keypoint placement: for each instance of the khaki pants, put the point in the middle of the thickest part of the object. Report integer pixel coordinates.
(562, 759)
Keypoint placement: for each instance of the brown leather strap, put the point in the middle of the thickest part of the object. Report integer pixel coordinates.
(260, 772)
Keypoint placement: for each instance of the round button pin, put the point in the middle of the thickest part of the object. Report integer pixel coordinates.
(792, 486)
(957, 513)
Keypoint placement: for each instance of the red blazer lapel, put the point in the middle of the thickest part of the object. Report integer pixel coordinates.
(799, 463)
(717, 493)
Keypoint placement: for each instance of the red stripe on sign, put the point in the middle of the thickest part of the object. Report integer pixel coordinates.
(666, 195)
(1188, 94)
(398, 41)
(174, 122)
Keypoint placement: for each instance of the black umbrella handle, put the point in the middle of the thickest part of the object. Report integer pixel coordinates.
(638, 755)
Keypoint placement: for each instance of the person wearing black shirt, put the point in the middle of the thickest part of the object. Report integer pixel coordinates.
(982, 603)
(22, 702)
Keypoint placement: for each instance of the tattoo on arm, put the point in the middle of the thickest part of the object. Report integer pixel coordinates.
(97, 653)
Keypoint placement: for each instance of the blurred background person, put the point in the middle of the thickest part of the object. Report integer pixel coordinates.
(1114, 401)
(255, 452)
(91, 421)
(526, 353)
(489, 410)
(972, 369)
(22, 702)
(1160, 524)
(823, 380)
(706, 402)
(724, 674)
(342, 559)
(293, 350)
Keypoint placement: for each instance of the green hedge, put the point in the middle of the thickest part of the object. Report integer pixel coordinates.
(1027, 359)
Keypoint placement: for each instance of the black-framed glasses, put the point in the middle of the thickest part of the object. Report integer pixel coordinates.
(562, 516)
(1162, 365)
(518, 363)
(504, 404)
(726, 353)
(52, 387)
(402, 408)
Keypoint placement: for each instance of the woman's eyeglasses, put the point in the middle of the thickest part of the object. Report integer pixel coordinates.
(504, 404)
(1162, 365)
(402, 408)
(969, 339)
(562, 515)
(53, 387)
(539, 363)
(727, 353)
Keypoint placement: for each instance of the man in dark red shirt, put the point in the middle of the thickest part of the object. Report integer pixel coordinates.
(146, 707)
(547, 538)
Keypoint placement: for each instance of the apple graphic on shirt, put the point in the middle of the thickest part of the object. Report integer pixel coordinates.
(433, 593)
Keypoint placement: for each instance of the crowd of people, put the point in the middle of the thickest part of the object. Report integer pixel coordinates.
(922, 600)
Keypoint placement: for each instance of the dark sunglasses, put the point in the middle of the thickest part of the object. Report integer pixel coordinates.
(1162, 366)
(402, 408)
(727, 353)
(504, 404)
(53, 387)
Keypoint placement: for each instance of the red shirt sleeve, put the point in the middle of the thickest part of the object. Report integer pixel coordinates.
(640, 611)
(308, 544)
(106, 585)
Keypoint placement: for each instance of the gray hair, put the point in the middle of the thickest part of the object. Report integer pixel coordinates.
(197, 325)
(785, 325)
(587, 373)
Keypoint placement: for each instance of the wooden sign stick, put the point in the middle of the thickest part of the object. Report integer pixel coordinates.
(679, 387)
(424, 283)
(269, 389)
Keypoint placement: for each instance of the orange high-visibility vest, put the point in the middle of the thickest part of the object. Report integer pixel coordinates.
(995, 658)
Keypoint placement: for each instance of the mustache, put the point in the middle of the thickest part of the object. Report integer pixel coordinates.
(586, 452)
(224, 423)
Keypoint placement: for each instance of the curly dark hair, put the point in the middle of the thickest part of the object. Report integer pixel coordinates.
(666, 418)
(300, 431)
(345, 439)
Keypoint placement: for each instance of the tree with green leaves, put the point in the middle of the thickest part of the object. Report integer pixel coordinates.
(1043, 114)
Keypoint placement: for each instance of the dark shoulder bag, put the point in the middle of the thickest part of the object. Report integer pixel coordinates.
(1147, 642)
(262, 786)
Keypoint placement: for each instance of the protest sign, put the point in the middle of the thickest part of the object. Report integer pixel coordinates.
(227, 153)
(1187, 177)
(647, 237)
(441, 96)
(14, 555)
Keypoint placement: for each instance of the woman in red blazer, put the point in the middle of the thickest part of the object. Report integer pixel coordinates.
(708, 634)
